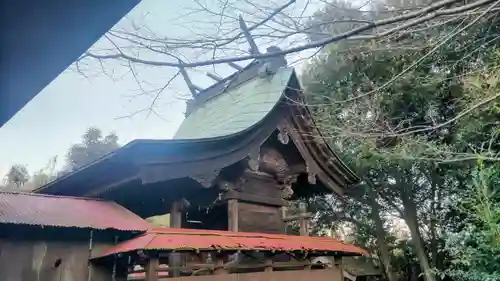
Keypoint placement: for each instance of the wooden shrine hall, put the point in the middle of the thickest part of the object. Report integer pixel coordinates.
(247, 149)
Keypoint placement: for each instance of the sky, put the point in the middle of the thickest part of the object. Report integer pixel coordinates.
(58, 116)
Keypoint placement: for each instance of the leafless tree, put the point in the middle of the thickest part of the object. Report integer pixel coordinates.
(220, 36)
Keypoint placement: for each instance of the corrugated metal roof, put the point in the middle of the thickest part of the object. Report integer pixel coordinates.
(209, 240)
(59, 211)
(236, 110)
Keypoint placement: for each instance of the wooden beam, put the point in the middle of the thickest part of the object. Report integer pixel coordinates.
(252, 198)
(214, 76)
(235, 66)
(299, 216)
(111, 186)
(244, 28)
(192, 88)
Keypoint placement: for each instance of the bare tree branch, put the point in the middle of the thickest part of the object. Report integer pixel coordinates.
(417, 17)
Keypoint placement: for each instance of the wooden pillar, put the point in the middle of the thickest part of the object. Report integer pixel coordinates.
(303, 220)
(219, 266)
(269, 264)
(152, 269)
(283, 217)
(337, 261)
(176, 215)
(174, 259)
(232, 215)
(303, 217)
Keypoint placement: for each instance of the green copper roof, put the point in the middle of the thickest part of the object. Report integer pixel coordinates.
(237, 109)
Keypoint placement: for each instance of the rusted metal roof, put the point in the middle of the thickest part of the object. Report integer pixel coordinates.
(209, 240)
(59, 211)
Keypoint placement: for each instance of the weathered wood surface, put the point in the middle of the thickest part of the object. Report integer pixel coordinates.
(232, 215)
(259, 218)
(25, 260)
(253, 198)
(330, 274)
(260, 184)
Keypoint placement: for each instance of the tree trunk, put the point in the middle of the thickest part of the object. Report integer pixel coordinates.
(410, 216)
(380, 234)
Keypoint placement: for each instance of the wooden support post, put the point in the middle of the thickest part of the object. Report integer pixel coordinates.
(337, 261)
(269, 265)
(174, 259)
(303, 221)
(303, 217)
(176, 215)
(283, 217)
(152, 269)
(219, 266)
(232, 215)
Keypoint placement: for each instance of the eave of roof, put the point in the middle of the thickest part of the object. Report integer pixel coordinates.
(170, 239)
(174, 156)
(20, 208)
(328, 166)
(241, 96)
(144, 158)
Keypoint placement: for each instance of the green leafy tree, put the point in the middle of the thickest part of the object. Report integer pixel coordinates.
(92, 147)
(475, 250)
(399, 110)
(17, 176)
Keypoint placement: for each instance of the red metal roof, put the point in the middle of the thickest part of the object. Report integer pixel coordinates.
(208, 240)
(59, 211)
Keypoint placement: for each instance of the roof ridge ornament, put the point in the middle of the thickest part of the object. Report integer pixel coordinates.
(246, 31)
(311, 173)
(271, 65)
(254, 159)
(283, 135)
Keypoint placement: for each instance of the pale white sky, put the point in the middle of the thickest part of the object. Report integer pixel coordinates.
(58, 116)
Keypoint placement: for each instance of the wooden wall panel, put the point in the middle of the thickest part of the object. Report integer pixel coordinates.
(263, 186)
(260, 218)
(22, 260)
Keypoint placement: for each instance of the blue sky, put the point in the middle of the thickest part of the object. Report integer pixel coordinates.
(59, 115)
